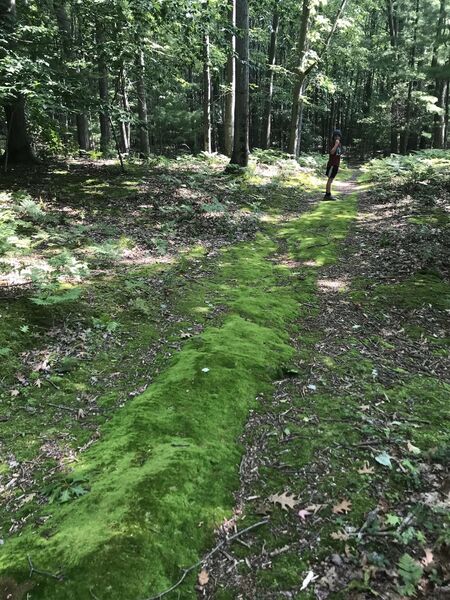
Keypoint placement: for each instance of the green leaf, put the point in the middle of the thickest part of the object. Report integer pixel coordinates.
(65, 496)
(410, 571)
(384, 459)
(392, 520)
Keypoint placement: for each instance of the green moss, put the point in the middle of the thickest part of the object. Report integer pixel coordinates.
(417, 291)
(162, 474)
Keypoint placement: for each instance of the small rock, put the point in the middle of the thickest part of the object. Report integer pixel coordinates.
(336, 560)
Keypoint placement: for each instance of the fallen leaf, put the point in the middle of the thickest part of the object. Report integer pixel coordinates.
(384, 459)
(340, 535)
(412, 448)
(309, 577)
(205, 369)
(428, 559)
(203, 577)
(303, 513)
(366, 470)
(184, 335)
(38, 383)
(343, 507)
(14, 393)
(80, 414)
(285, 499)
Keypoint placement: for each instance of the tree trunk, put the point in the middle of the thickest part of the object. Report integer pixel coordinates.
(297, 98)
(83, 137)
(267, 119)
(124, 126)
(103, 88)
(230, 95)
(144, 145)
(241, 118)
(207, 125)
(18, 145)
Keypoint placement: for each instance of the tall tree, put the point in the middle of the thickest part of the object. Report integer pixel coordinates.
(18, 144)
(267, 118)
(241, 119)
(230, 92)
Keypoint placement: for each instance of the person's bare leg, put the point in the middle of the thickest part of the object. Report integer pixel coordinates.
(329, 182)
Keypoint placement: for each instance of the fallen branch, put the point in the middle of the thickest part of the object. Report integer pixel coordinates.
(58, 576)
(205, 558)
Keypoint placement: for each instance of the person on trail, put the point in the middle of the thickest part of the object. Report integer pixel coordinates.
(333, 163)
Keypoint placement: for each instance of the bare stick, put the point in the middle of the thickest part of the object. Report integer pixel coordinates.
(58, 576)
(205, 558)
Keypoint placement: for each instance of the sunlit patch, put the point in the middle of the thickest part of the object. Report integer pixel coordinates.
(332, 285)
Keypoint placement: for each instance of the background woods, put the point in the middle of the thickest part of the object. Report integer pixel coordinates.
(157, 77)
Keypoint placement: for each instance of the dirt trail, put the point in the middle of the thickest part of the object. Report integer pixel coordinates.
(316, 447)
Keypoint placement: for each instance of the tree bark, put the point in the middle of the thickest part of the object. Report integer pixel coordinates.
(230, 95)
(18, 145)
(83, 137)
(103, 89)
(241, 125)
(124, 125)
(144, 144)
(267, 120)
(207, 125)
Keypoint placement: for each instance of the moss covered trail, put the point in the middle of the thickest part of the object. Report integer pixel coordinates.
(125, 419)
(139, 497)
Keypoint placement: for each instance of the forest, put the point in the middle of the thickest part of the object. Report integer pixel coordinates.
(140, 77)
(224, 299)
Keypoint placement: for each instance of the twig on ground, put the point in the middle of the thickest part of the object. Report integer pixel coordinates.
(205, 558)
(33, 569)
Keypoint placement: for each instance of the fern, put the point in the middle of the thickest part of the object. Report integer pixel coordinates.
(410, 571)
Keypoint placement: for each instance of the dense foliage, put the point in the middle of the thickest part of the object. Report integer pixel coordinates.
(160, 76)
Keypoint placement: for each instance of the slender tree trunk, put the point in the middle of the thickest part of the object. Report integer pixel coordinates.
(124, 124)
(207, 124)
(144, 144)
(241, 120)
(447, 101)
(230, 95)
(103, 88)
(267, 119)
(297, 98)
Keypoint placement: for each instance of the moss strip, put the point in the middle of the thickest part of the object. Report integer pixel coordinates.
(162, 475)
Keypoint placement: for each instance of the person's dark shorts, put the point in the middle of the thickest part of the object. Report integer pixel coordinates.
(331, 171)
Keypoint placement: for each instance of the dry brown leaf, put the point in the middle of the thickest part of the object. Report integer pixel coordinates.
(366, 470)
(340, 535)
(203, 577)
(343, 507)
(285, 500)
(428, 559)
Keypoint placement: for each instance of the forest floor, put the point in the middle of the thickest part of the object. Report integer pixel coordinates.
(237, 342)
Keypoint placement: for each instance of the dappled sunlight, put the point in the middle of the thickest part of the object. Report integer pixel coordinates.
(333, 285)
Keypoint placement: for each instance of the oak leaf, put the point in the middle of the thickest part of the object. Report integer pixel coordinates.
(366, 470)
(343, 507)
(285, 500)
